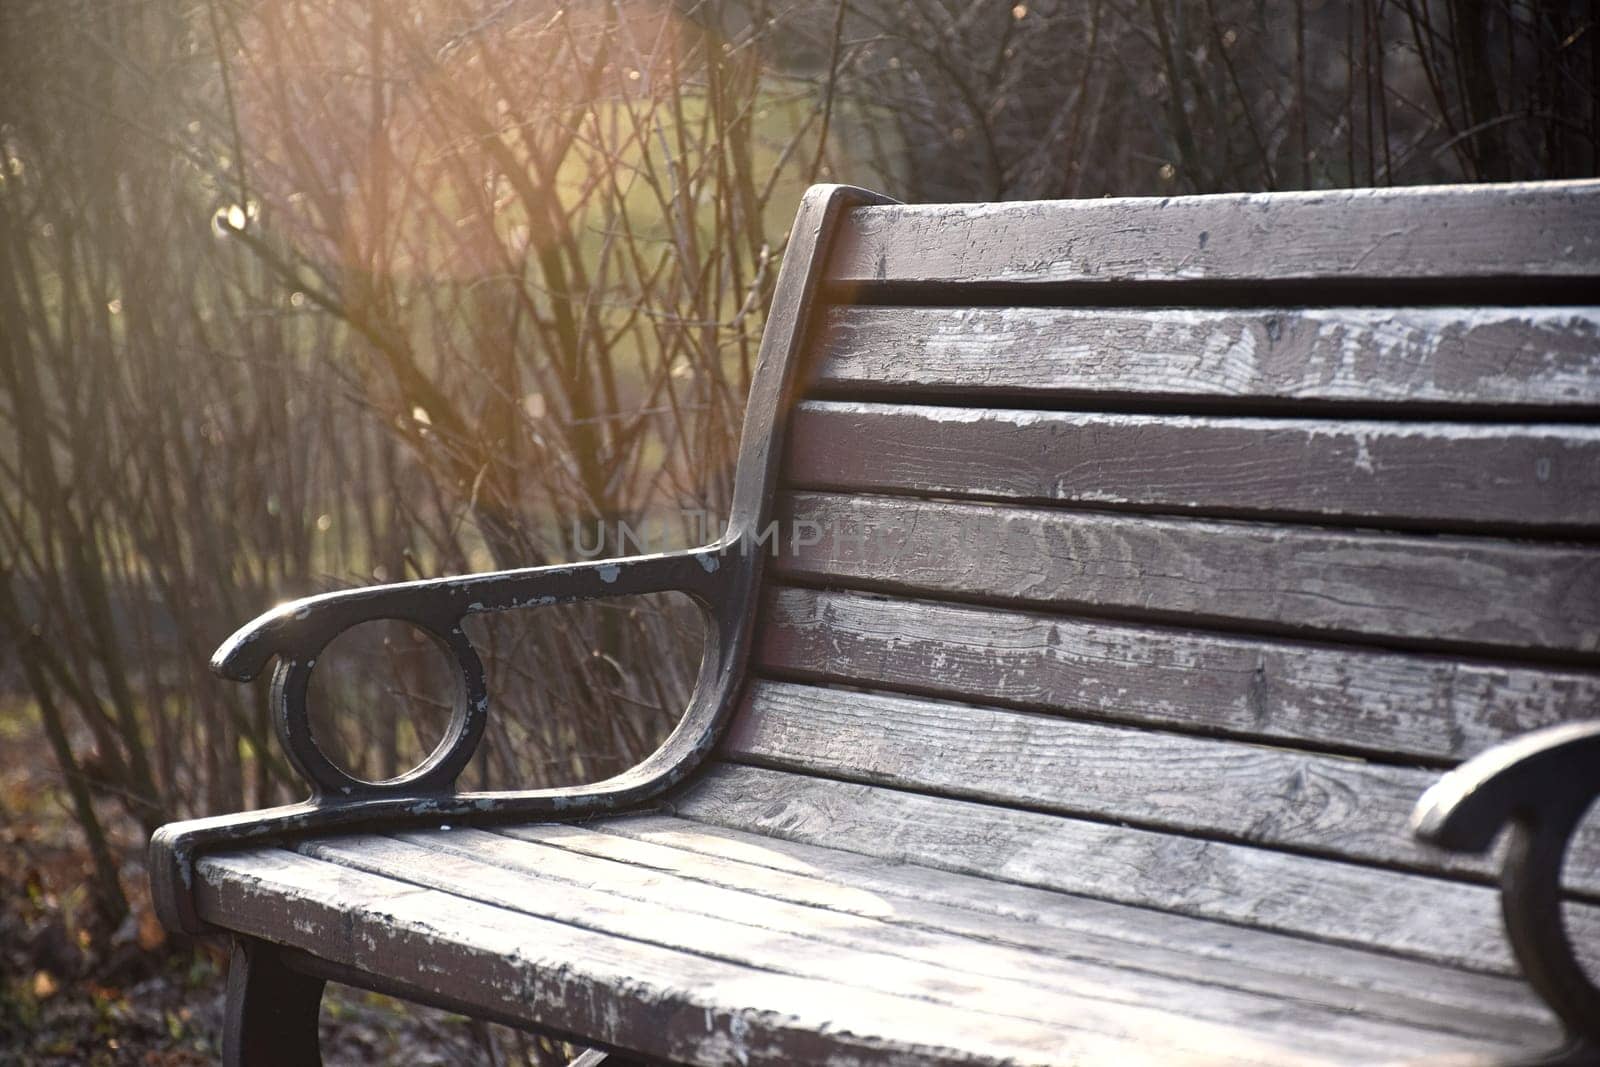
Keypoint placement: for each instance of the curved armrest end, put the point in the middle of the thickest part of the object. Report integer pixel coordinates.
(249, 649)
(1547, 770)
(1538, 786)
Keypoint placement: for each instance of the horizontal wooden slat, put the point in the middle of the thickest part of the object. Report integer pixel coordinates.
(1454, 231)
(1430, 707)
(1457, 590)
(1487, 358)
(1436, 474)
(1005, 981)
(1198, 786)
(748, 930)
(1060, 923)
(1410, 914)
(682, 1006)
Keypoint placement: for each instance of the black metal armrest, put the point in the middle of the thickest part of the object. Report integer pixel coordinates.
(296, 633)
(300, 628)
(1537, 788)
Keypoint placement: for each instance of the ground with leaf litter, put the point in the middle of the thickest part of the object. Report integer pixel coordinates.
(73, 992)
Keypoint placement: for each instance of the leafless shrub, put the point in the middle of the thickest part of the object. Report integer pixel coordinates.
(1049, 98)
(300, 294)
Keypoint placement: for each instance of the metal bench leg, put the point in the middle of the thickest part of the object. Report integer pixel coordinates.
(271, 1015)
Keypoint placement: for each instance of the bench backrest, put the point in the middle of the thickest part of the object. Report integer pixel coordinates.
(1164, 550)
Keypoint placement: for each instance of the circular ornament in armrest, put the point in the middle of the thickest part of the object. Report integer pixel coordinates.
(434, 775)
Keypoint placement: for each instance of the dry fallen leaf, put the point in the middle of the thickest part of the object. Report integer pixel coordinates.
(152, 935)
(45, 985)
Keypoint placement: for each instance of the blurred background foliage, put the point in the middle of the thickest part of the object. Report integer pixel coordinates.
(297, 294)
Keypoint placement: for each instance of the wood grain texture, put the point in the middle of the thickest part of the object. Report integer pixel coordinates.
(1395, 705)
(1532, 229)
(1469, 358)
(681, 1006)
(1409, 914)
(1060, 924)
(844, 950)
(739, 928)
(1274, 797)
(1457, 590)
(1433, 474)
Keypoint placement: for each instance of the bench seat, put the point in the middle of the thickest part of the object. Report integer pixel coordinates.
(701, 942)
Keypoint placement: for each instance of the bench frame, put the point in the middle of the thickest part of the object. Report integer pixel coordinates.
(1538, 787)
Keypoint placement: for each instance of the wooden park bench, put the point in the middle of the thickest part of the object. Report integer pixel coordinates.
(1138, 565)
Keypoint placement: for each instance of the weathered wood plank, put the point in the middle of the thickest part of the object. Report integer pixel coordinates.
(677, 1005)
(1458, 591)
(1061, 924)
(838, 948)
(746, 930)
(1328, 805)
(1441, 475)
(1493, 359)
(1409, 914)
(1389, 704)
(1536, 228)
